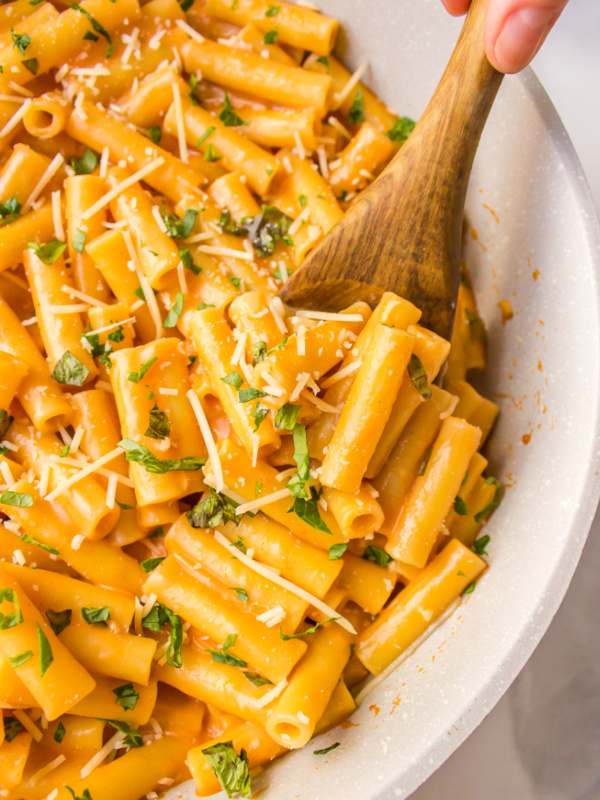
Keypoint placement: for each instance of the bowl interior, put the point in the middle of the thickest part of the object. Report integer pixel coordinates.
(531, 238)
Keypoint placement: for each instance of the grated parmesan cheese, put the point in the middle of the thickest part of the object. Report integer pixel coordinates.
(51, 170)
(320, 404)
(297, 223)
(59, 230)
(253, 505)
(16, 118)
(88, 470)
(209, 441)
(111, 491)
(73, 308)
(168, 392)
(41, 773)
(19, 558)
(191, 32)
(28, 724)
(120, 187)
(301, 382)
(102, 754)
(183, 152)
(272, 616)
(299, 146)
(342, 373)
(339, 97)
(226, 252)
(6, 473)
(272, 695)
(87, 298)
(301, 340)
(239, 349)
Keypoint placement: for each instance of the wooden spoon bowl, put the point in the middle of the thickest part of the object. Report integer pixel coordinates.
(403, 233)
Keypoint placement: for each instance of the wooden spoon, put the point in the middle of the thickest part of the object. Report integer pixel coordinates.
(403, 233)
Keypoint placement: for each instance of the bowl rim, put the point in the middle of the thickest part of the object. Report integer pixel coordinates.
(514, 658)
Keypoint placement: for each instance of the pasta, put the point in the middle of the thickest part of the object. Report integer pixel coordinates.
(221, 517)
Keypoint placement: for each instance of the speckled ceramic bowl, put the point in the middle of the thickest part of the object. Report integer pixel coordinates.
(533, 240)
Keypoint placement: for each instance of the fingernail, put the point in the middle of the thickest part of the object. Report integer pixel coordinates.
(520, 37)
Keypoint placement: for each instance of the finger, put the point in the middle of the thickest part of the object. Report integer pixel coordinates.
(456, 7)
(515, 31)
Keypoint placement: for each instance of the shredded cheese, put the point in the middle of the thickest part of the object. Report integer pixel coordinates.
(26, 322)
(87, 298)
(301, 382)
(41, 773)
(199, 237)
(74, 308)
(253, 505)
(77, 541)
(111, 491)
(28, 724)
(211, 447)
(335, 123)
(301, 340)
(342, 373)
(120, 187)
(168, 392)
(297, 223)
(272, 616)
(306, 313)
(272, 695)
(103, 753)
(320, 404)
(353, 81)
(239, 349)
(106, 473)
(6, 473)
(191, 32)
(59, 230)
(226, 252)
(16, 118)
(137, 617)
(51, 170)
(88, 470)
(299, 146)
(274, 387)
(19, 558)
(181, 278)
(183, 152)
(114, 325)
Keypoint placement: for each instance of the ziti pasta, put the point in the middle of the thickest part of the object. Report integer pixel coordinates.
(221, 517)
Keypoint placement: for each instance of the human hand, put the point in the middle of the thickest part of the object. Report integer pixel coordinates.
(514, 29)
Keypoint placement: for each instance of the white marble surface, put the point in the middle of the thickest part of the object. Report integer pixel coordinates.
(542, 741)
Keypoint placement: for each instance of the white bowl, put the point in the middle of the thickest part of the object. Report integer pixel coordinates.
(538, 246)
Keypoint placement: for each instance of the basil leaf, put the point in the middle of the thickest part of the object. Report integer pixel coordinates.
(133, 737)
(480, 544)
(64, 451)
(297, 484)
(127, 696)
(16, 499)
(156, 618)
(401, 129)
(229, 225)
(228, 116)
(175, 312)
(59, 620)
(45, 651)
(270, 37)
(16, 661)
(308, 511)
(324, 60)
(59, 733)
(302, 200)
(241, 593)
(16, 617)
(136, 377)
(256, 679)
(307, 632)
(259, 414)
(266, 229)
(180, 228)
(48, 253)
(70, 371)
(356, 115)
(272, 11)
(155, 134)
(481, 515)
(237, 282)
(160, 531)
(232, 771)
(259, 350)
(151, 564)
(86, 792)
(96, 616)
(116, 335)
(326, 750)
(246, 395)
(95, 25)
(215, 510)
(161, 615)
(10, 210)
(418, 376)
(233, 379)
(141, 455)
(86, 164)
(211, 153)
(239, 543)
(159, 426)
(78, 242)
(31, 64)
(460, 506)
(224, 656)
(125, 507)
(28, 539)
(5, 422)
(205, 135)
(20, 40)
(188, 262)
(336, 551)
(12, 728)
(287, 416)
(470, 588)
(376, 555)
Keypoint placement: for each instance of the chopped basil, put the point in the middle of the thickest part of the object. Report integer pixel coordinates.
(477, 330)
(5, 422)
(259, 350)
(175, 312)
(45, 651)
(297, 484)
(16, 661)
(20, 40)
(151, 564)
(229, 225)
(185, 4)
(125, 507)
(211, 153)
(302, 200)
(16, 499)
(78, 242)
(307, 632)
(256, 679)
(287, 416)
(158, 533)
(460, 506)
(356, 115)
(326, 750)
(241, 593)
(59, 733)
(481, 515)
(48, 253)
(377, 556)
(70, 371)
(233, 379)
(258, 414)
(266, 229)
(31, 64)
(10, 210)
(180, 228)
(272, 11)
(116, 335)
(155, 134)
(288, 241)
(237, 282)
(250, 393)
(141, 455)
(470, 588)
(418, 376)
(16, 617)
(425, 462)
(224, 656)
(325, 61)
(12, 728)
(29, 539)
(228, 116)
(86, 792)
(239, 543)
(127, 696)
(159, 426)
(308, 511)
(95, 25)
(214, 510)
(96, 616)
(336, 551)
(136, 377)
(480, 544)
(401, 129)
(133, 737)
(93, 340)
(139, 292)
(205, 135)
(59, 620)
(64, 451)
(270, 37)
(86, 164)
(231, 769)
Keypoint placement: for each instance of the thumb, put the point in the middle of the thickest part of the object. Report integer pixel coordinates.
(515, 30)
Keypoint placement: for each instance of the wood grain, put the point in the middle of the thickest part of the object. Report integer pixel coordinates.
(403, 233)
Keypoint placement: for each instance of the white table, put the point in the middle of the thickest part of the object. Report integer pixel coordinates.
(542, 741)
